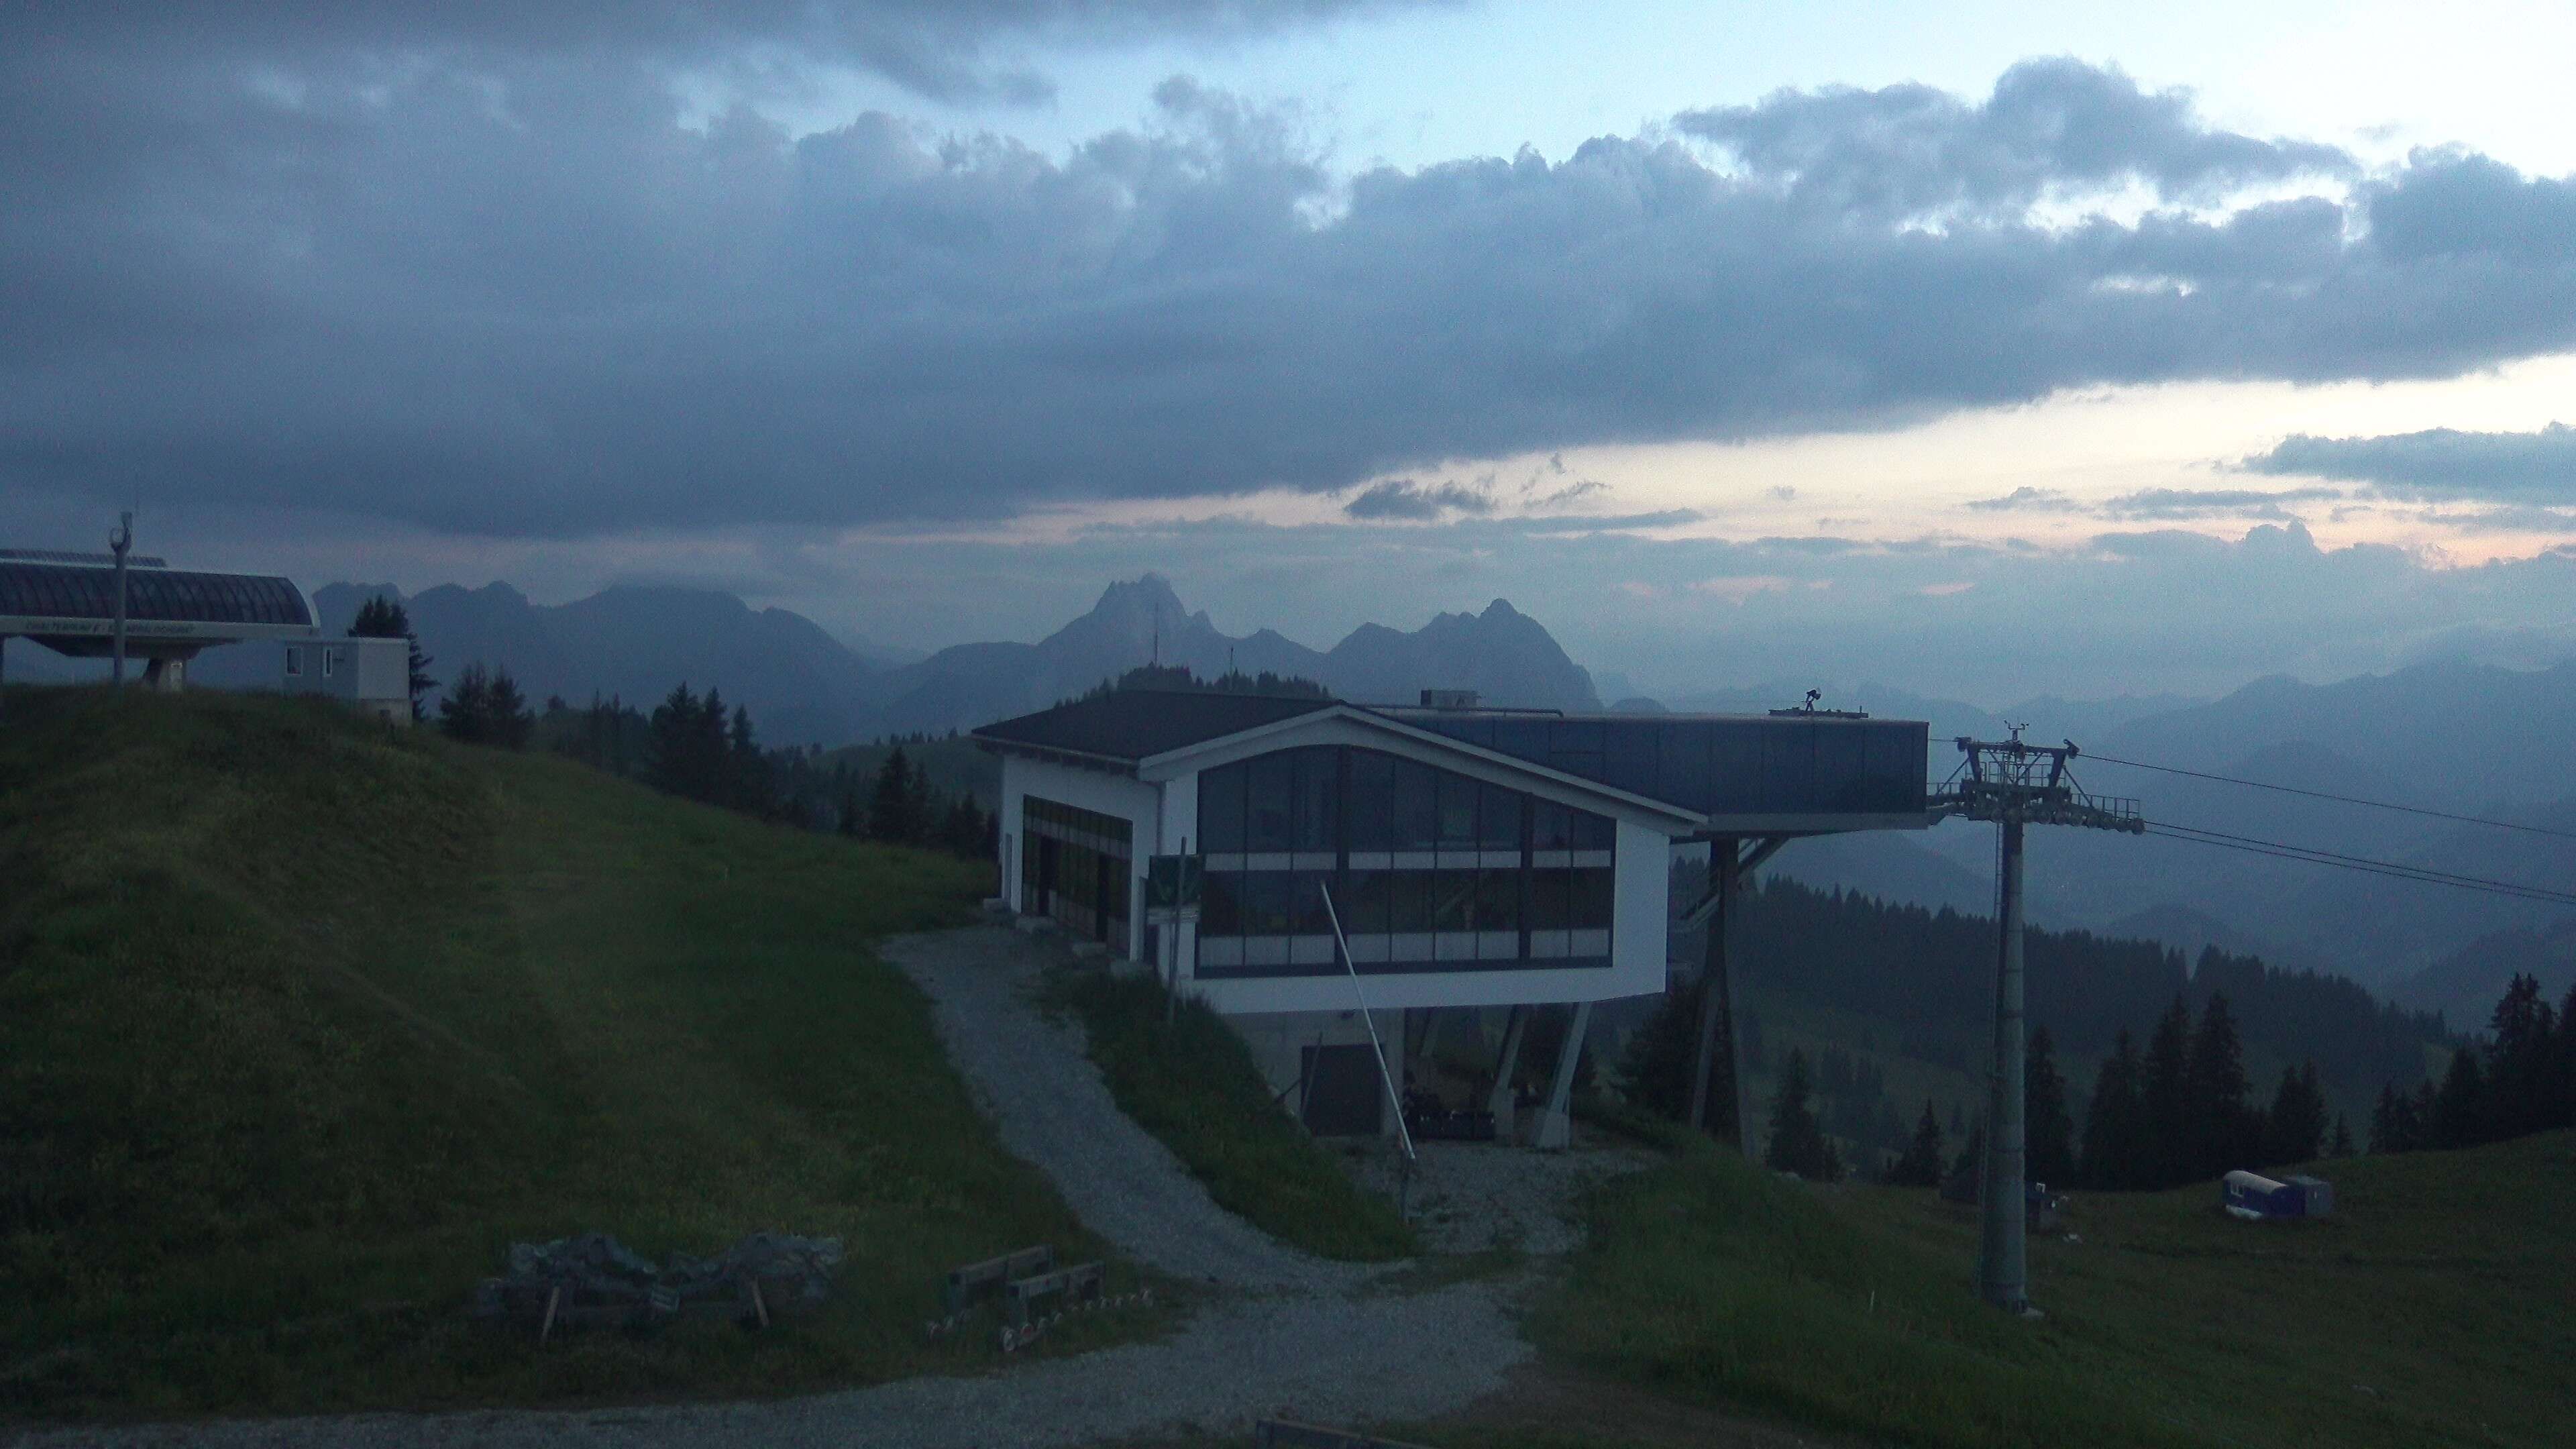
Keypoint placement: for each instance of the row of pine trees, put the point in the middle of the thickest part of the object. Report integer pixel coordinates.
(2520, 1080)
(693, 746)
(2181, 1110)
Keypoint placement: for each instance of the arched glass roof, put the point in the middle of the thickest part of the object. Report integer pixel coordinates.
(74, 591)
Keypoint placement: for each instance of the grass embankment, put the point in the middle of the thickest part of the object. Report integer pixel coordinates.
(303, 1021)
(1193, 1084)
(2433, 1309)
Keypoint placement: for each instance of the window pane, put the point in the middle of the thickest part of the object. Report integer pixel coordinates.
(1371, 894)
(1409, 901)
(1457, 812)
(1417, 806)
(1221, 810)
(1550, 905)
(1265, 902)
(1220, 908)
(1551, 826)
(1266, 805)
(1498, 819)
(1306, 914)
(1498, 900)
(1591, 903)
(1372, 801)
(1319, 790)
(1453, 900)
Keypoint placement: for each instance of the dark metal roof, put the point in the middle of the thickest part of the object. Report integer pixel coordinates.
(1778, 764)
(74, 591)
(1132, 724)
(1810, 766)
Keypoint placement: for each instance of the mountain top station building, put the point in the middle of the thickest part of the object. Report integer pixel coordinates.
(67, 602)
(1473, 857)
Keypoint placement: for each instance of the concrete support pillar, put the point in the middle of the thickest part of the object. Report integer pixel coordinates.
(1555, 1122)
(2002, 1270)
(1721, 1044)
(1499, 1102)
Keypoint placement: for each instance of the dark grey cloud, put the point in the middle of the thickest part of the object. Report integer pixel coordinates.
(509, 292)
(2204, 502)
(1402, 499)
(2441, 464)
(938, 48)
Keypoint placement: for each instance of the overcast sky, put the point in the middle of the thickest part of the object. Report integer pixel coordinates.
(1991, 353)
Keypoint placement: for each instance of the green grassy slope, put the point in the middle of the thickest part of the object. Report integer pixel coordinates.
(302, 1021)
(2434, 1309)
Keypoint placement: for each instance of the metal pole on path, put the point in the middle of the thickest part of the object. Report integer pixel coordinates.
(118, 543)
(2002, 1265)
(1404, 1183)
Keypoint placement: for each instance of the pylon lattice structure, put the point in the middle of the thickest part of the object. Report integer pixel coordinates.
(2015, 784)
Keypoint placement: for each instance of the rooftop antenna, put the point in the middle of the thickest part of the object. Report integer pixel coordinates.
(2015, 784)
(118, 543)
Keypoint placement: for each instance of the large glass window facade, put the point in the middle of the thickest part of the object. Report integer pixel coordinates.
(1430, 870)
(1800, 765)
(1076, 865)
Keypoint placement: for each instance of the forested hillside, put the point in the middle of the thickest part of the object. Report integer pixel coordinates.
(1930, 977)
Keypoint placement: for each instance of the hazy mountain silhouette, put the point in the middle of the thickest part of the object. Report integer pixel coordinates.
(1503, 654)
(635, 642)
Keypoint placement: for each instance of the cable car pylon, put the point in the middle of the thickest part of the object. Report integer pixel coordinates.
(2015, 784)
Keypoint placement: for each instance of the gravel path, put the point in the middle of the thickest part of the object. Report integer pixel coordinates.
(1283, 1334)
(1032, 1078)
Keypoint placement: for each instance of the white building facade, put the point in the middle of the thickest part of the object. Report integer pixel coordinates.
(1459, 873)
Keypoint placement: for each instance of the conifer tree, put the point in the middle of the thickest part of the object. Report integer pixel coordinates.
(2115, 1127)
(747, 771)
(2342, 1138)
(1797, 1140)
(2521, 1065)
(507, 719)
(2391, 1126)
(2048, 1135)
(2225, 1133)
(2168, 1140)
(1655, 1069)
(894, 808)
(2460, 1110)
(465, 714)
(384, 618)
(1920, 1166)
(2295, 1128)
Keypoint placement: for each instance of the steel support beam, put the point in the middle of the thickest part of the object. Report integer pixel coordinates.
(1499, 1101)
(1555, 1123)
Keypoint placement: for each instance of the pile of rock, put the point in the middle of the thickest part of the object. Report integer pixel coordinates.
(595, 1279)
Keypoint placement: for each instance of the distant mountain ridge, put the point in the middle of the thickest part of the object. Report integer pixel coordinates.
(1503, 654)
(635, 642)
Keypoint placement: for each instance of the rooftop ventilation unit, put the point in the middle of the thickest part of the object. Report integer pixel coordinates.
(1448, 699)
